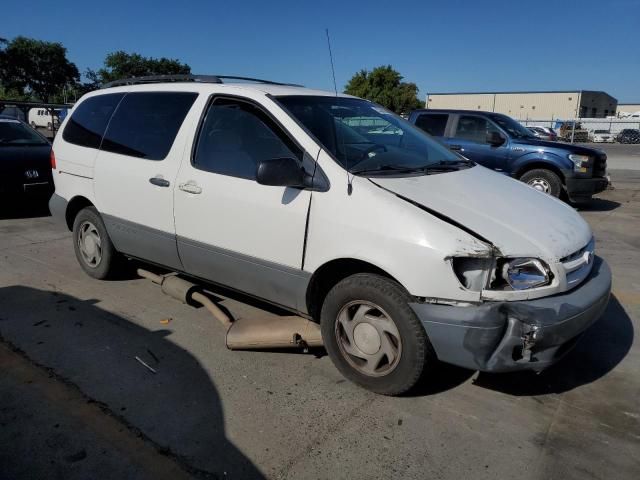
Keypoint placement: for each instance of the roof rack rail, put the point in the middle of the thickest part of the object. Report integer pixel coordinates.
(257, 80)
(163, 79)
(188, 78)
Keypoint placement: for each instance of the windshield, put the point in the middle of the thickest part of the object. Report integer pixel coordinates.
(12, 132)
(512, 127)
(367, 138)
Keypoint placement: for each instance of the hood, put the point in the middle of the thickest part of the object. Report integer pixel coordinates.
(517, 219)
(567, 147)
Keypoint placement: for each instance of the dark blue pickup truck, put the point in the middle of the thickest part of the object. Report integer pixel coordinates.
(502, 144)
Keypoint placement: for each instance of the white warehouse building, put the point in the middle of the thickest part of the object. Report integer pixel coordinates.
(628, 109)
(547, 105)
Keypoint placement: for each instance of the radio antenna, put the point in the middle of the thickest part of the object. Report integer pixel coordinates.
(335, 89)
(333, 70)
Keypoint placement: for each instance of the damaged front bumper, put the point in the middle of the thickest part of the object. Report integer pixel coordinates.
(519, 335)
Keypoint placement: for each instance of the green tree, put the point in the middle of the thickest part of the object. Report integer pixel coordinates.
(118, 65)
(384, 85)
(34, 69)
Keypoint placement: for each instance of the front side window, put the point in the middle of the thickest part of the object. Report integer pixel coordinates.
(365, 138)
(513, 128)
(433, 123)
(236, 136)
(13, 133)
(474, 129)
(146, 123)
(89, 120)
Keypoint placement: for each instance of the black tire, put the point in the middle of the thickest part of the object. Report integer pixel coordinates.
(33, 125)
(110, 262)
(546, 178)
(415, 351)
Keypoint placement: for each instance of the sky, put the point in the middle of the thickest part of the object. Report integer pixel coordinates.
(442, 46)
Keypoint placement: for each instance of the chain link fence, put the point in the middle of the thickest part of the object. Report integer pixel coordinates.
(586, 130)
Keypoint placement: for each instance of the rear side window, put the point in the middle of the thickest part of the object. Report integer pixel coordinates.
(146, 123)
(433, 123)
(89, 120)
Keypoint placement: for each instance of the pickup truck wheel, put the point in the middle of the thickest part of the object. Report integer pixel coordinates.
(92, 245)
(544, 181)
(372, 335)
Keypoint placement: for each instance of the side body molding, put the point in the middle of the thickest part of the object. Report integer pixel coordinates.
(273, 282)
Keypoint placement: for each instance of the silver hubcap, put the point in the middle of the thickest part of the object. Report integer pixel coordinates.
(368, 338)
(540, 184)
(90, 244)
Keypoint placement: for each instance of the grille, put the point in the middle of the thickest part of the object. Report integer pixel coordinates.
(600, 165)
(578, 264)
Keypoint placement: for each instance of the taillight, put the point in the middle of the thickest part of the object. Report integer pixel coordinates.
(52, 158)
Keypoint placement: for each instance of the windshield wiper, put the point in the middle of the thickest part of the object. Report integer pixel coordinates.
(390, 169)
(448, 165)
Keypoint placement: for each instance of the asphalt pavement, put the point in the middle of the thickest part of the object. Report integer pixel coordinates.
(77, 402)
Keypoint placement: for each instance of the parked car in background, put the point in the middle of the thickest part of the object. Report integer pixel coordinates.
(628, 135)
(504, 145)
(43, 118)
(543, 133)
(601, 136)
(403, 251)
(25, 166)
(571, 131)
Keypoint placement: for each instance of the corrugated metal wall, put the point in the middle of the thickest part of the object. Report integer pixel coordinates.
(534, 105)
(628, 108)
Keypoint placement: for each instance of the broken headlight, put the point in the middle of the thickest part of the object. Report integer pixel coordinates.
(521, 273)
(477, 274)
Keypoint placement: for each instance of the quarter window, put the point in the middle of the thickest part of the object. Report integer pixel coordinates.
(89, 120)
(146, 123)
(433, 123)
(474, 129)
(236, 136)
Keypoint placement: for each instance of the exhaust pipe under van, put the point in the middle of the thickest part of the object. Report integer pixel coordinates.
(244, 334)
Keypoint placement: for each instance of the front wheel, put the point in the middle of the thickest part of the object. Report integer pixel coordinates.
(544, 181)
(373, 336)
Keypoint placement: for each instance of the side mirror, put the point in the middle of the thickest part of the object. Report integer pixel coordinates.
(495, 139)
(283, 172)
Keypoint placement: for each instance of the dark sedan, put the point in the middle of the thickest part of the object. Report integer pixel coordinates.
(25, 164)
(629, 135)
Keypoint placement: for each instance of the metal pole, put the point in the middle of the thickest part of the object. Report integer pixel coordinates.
(573, 130)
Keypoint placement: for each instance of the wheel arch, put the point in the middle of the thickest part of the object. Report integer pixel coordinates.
(332, 272)
(74, 206)
(540, 164)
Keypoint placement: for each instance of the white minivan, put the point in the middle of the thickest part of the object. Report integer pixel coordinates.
(335, 209)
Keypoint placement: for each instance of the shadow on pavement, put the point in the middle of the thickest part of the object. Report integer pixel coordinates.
(601, 348)
(16, 207)
(178, 408)
(598, 205)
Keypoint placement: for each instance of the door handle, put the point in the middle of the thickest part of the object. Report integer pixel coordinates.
(455, 147)
(159, 181)
(190, 187)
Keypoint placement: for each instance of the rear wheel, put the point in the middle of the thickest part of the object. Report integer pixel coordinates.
(373, 336)
(544, 181)
(93, 247)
